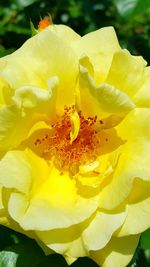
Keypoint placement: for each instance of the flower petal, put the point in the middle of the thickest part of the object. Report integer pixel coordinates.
(31, 96)
(17, 119)
(142, 97)
(67, 241)
(11, 127)
(15, 172)
(107, 98)
(138, 216)
(3, 212)
(64, 32)
(53, 201)
(31, 99)
(5, 92)
(102, 227)
(134, 158)
(46, 55)
(118, 252)
(77, 240)
(111, 99)
(126, 72)
(41, 215)
(99, 46)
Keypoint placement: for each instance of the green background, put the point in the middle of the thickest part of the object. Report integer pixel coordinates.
(131, 19)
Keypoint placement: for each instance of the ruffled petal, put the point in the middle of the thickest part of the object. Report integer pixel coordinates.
(118, 252)
(15, 172)
(77, 240)
(138, 216)
(41, 215)
(103, 98)
(99, 46)
(126, 72)
(12, 129)
(134, 158)
(67, 241)
(142, 97)
(101, 229)
(41, 57)
(17, 119)
(36, 102)
(51, 194)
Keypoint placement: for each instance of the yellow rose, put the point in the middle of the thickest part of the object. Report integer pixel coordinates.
(74, 144)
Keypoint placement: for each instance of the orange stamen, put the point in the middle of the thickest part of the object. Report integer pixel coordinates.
(66, 155)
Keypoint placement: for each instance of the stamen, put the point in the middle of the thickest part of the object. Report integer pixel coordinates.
(69, 148)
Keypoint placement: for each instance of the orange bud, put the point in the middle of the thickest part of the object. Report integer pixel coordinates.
(44, 23)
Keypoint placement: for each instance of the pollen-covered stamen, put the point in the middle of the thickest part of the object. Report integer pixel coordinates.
(69, 153)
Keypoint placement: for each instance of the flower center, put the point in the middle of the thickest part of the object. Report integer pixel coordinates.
(71, 142)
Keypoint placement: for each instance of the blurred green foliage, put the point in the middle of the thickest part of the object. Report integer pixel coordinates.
(131, 19)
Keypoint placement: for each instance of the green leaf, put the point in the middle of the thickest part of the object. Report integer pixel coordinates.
(128, 8)
(145, 239)
(8, 259)
(32, 28)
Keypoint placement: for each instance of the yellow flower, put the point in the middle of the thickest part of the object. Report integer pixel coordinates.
(74, 144)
